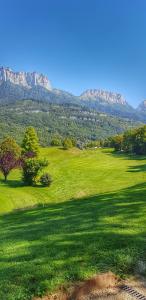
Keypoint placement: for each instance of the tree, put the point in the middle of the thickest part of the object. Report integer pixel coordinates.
(67, 143)
(30, 142)
(140, 140)
(31, 168)
(9, 156)
(117, 142)
(134, 141)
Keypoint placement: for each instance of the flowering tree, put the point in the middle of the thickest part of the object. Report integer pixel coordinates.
(9, 156)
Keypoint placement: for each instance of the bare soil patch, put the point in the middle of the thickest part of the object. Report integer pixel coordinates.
(100, 287)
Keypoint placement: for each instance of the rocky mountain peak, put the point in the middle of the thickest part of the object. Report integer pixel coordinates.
(105, 96)
(142, 106)
(25, 79)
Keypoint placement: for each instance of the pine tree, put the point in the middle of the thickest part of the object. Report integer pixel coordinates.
(30, 144)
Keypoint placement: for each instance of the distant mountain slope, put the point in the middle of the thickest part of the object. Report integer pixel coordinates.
(10, 92)
(64, 119)
(142, 106)
(25, 85)
(141, 110)
(108, 102)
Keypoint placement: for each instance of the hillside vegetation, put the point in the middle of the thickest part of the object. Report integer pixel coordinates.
(53, 119)
(91, 219)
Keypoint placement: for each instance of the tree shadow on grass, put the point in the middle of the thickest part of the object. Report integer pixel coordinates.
(140, 168)
(12, 183)
(124, 155)
(18, 183)
(68, 241)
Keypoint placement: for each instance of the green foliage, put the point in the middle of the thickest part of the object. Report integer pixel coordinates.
(117, 142)
(31, 170)
(30, 142)
(56, 141)
(133, 141)
(74, 141)
(46, 179)
(67, 143)
(9, 156)
(93, 144)
(138, 142)
(64, 120)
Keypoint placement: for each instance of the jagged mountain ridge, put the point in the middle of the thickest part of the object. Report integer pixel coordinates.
(24, 79)
(106, 96)
(25, 85)
(108, 102)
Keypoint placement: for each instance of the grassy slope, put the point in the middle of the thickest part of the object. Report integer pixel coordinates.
(100, 227)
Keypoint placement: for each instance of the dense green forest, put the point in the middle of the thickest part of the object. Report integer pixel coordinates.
(62, 120)
(131, 141)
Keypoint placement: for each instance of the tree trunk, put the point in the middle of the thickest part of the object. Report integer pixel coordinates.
(5, 176)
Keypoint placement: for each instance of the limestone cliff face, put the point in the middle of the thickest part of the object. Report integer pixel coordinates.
(34, 86)
(24, 79)
(105, 96)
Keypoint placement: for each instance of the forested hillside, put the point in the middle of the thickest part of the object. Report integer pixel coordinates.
(58, 119)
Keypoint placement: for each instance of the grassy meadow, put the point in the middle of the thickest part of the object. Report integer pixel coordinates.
(91, 219)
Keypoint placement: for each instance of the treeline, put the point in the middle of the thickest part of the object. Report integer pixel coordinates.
(132, 141)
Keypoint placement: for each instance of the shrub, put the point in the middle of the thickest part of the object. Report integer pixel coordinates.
(31, 169)
(56, 141)
(46, 179)
(67, 143)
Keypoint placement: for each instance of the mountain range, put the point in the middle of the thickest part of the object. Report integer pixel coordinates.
(25, 85)
(29, 99)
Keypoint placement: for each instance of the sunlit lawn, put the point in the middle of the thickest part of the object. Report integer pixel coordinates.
(93, 219)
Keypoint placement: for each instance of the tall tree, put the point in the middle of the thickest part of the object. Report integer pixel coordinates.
(9, 156)
(30, 144)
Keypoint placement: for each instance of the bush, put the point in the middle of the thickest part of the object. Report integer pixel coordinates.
(56, 141)
(46, 179)
(31, 169)
(67, 144)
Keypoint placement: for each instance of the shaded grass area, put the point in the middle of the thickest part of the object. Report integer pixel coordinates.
(45, 247)
(92, 219)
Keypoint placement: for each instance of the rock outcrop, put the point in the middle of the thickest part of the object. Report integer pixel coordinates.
(34, 86)
(24, 79)
(105, 96)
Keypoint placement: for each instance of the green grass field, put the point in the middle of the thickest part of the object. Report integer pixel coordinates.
(91, 219)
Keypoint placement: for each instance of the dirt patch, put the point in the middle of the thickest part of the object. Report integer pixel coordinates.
(100, 287)
(80, 194)
(97, 283)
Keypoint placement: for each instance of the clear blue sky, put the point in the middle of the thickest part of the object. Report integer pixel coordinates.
(79, 44)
